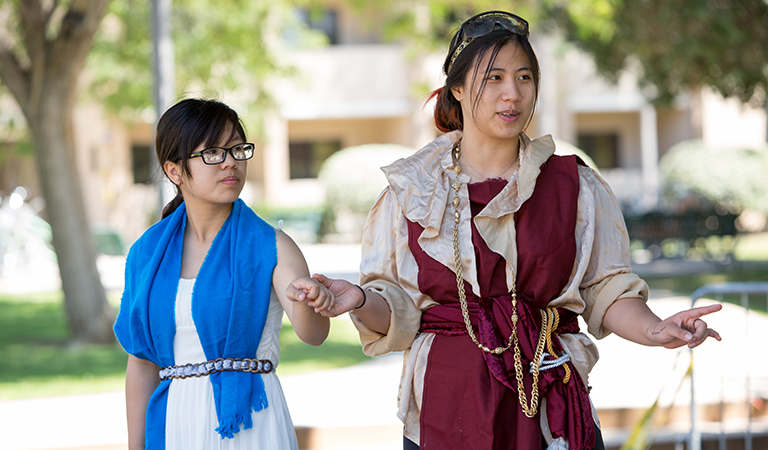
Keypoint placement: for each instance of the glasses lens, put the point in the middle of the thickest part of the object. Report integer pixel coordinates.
(213, 155)
(242, 151)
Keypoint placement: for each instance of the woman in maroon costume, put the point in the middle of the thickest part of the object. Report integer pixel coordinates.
(481, 253)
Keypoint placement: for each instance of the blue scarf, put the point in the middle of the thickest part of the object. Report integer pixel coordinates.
(229, 307)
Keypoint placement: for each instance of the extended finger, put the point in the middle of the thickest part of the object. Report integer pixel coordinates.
(708, 333)
(701, 311)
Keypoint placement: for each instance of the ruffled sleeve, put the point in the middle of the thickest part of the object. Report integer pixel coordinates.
(385, 255)
(603, 254)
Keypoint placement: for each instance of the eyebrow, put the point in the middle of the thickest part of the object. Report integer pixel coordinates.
(500, 69)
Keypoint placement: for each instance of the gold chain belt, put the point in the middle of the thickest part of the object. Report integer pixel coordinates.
(217, 365)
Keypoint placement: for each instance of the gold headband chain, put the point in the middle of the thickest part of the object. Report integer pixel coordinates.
(549, 318)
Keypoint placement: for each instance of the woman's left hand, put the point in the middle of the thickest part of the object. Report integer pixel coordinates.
(685, 328)
(312, 292)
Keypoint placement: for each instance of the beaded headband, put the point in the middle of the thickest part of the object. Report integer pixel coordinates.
(483, 24)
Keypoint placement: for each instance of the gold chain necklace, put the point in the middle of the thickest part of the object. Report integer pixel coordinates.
(497, 176)
(547, 318)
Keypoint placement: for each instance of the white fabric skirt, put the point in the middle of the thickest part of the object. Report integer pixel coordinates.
(191, 420)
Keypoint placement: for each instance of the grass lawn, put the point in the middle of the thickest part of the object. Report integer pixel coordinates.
(685, 285)
(39, 362)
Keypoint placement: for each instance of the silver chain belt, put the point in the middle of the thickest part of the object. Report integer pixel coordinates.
(217, 365)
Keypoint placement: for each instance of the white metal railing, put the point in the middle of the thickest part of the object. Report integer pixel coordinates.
(717, 290)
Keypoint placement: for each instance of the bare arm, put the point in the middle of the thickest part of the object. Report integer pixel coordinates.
(141, 379)
(310, 326)
(631, 319)
(374, 312)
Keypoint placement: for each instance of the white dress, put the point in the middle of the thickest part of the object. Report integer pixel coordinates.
(191, 420)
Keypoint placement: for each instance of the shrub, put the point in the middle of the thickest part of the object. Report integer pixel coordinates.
(353, 181)
(727, 176)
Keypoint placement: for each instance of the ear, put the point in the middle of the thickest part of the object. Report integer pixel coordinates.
(458, 92)
(173, 171)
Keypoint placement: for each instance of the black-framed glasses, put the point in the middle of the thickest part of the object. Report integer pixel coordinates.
(484, 23)
(217, 155)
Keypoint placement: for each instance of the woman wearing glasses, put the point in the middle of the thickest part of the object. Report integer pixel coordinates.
(481, 253)
(204, 296)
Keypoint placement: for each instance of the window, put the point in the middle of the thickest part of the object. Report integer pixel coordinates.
(141, 163)
(306, 158)
(603, 148)
(323, 20)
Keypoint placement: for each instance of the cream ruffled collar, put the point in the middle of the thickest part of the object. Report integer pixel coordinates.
(421, 182)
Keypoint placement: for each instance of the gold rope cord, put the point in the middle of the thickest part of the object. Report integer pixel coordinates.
(549, 317)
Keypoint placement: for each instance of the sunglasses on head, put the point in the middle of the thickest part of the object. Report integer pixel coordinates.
(483, 24)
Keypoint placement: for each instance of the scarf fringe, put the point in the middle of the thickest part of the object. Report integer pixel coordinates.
(262, 404)
(228, 427)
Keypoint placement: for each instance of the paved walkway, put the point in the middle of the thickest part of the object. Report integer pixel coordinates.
(357, 406)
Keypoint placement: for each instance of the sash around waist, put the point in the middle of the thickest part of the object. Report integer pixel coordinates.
(446, 318)
(569, 411)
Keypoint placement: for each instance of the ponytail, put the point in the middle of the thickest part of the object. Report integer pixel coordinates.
(172, 205)
(448, 115)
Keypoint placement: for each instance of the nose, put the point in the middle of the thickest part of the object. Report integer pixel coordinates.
(511, 91)
(229, 161)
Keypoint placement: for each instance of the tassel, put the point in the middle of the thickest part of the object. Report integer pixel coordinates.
(558, 444)
(228, 430)
(258, 395)
(246, 420)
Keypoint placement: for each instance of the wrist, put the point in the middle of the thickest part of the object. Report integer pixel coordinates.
(362, 303)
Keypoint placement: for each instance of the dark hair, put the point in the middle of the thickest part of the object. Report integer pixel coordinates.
(186, 125)
(448, 115)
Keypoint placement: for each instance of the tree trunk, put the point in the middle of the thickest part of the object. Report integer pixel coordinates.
(90, 316)
(43, 81)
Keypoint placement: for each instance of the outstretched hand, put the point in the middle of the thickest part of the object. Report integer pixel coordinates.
(312, 292)
(347, 295)
(685, 328)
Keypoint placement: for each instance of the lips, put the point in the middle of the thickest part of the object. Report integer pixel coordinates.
(509, 115)
(230, 180)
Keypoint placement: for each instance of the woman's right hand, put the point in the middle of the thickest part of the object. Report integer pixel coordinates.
(348, 296)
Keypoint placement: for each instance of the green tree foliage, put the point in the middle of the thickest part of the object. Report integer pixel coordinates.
(43, 48)
(678, 44)
(733, 177)
(227, 47)
(230, 46)
(427, 25)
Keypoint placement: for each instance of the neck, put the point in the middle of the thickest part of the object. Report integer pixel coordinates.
(489, 159)
(204, 222)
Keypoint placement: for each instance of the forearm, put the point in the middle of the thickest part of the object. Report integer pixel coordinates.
(375, 312)
(141, 379)
(631, 319)
(311, 327)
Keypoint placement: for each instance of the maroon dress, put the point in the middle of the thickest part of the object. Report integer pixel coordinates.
(470, 398)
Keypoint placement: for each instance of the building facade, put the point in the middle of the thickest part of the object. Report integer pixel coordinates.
(359, 90)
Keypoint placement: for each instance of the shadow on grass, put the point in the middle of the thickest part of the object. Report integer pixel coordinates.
(38, 358)
(39, 361)
(341, 349)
